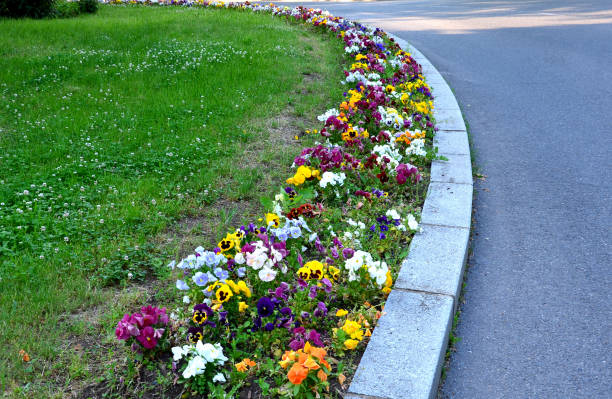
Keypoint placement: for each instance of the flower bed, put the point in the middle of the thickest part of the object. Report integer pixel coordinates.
(289, 300)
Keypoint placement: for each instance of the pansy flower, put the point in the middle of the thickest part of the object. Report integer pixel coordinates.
(265, 307)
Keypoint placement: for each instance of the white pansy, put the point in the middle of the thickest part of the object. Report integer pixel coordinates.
(371, 79)
(219, 377)
(334, 179)
(391, 118)
(196, 366)
(412, 223)
(276, 256)
(178, 352)
(239, 258)
(352, 49)
(256, 259)
(416, 148)
(187, 263)
(277, 209)
(327, 114)
(389, 151)
(211, 353)
(378, 271)
(266, 274)
(393, 214)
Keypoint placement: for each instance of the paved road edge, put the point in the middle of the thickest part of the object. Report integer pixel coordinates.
(405, 354)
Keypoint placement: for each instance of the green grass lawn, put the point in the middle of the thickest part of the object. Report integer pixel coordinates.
(126, 139)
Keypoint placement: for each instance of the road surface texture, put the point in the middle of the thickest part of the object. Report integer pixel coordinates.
(534, 79)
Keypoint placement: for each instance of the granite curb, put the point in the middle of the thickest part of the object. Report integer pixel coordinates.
(404, 357)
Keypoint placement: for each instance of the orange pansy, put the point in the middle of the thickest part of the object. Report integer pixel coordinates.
(311, 364)
(319, 353)
(297, 374)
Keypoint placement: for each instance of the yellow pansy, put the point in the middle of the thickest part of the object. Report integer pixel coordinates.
(350, 326)
(334, 272)
(351, 343)
(224, 293)
(303, 273)
(272, 218)
(242, 287)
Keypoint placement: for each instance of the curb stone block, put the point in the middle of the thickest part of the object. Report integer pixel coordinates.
(458, 169)
(449, 119)
(427, 67)
(452, 142)
(444, 98)
(436, 261)
(433, 79)
(403, 355)
(448, 204)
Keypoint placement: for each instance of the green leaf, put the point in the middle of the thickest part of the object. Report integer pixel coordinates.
(266, 203)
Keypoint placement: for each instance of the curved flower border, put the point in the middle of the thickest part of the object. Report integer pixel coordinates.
(293, 293)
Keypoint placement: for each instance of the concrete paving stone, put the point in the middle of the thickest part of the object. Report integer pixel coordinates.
(449, 119)
(452, 142)
(457, 169)
(448, 204)
(406, 350)
(436, 261)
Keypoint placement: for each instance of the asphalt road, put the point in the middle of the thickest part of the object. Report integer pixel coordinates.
(534, 79)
